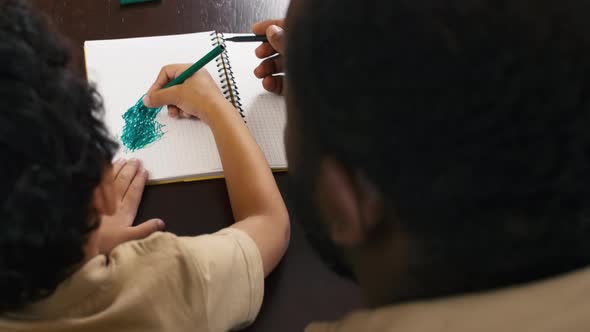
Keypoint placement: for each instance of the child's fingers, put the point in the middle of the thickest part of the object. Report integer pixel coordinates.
(184, 115)
(125, 177)
(173, 111)
(133, 195)
(117, 166)
(176, 112)
(169, 96)
(144, 229)
(167, 74)
(164, 76)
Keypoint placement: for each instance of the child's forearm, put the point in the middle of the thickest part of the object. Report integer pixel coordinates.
(256, 202)
(257, 205)
(250, 183)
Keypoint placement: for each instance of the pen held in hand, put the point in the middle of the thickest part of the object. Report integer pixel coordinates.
(249, 38)
(141, 127)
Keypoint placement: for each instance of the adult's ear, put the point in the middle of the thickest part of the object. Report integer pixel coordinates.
(349, 203)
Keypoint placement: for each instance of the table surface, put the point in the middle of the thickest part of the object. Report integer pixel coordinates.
(301, 289)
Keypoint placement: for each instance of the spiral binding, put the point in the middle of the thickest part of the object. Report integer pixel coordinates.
(226, 74)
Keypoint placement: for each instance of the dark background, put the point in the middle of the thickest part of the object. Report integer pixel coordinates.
(301, 289)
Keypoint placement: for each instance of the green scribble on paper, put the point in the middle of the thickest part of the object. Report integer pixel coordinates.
(141, 127)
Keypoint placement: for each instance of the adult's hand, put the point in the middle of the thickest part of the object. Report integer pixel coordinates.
(272, 53)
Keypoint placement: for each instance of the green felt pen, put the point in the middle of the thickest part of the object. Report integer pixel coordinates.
(196, 66)
(129, 2)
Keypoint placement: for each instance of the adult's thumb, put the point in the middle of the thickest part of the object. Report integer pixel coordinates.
(145, 229)
(276, 38)
(166, 96)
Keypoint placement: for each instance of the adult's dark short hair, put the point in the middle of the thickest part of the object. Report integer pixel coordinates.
(471, 116)
(53, 148)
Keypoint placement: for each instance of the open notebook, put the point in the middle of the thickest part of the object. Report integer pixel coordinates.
(123, 70)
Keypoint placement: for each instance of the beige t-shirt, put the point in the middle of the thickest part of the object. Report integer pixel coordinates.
(162, 283)
(561, 304)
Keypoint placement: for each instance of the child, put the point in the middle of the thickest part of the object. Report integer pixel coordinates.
(66, 262)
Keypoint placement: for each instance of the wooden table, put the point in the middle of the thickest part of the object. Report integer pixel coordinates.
(301, 289)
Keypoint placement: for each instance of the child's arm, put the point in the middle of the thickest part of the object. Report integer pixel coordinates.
(257, 205)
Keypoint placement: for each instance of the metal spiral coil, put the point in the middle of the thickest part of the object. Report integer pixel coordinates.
(225, 73)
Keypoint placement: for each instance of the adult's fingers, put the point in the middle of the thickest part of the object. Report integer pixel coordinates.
(276, 38)
(269, 66)
(273, 84)
(260, 27)
(264, 51)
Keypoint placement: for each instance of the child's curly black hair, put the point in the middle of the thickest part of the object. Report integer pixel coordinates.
(54, 148)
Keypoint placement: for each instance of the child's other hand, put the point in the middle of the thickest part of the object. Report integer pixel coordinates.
(197, 96)
(273, 64)
(130, 179)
